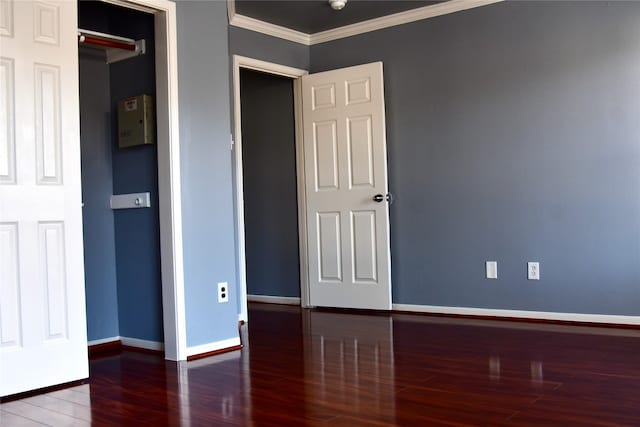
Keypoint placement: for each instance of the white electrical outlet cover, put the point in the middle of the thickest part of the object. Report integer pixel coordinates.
(533, 270)
(223, 292)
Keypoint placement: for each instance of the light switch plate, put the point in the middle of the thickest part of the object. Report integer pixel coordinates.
(491, 268)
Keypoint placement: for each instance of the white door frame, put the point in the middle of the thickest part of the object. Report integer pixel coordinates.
(169, 191)
(295, 74)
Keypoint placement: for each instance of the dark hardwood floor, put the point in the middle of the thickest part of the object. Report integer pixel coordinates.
(301, 367)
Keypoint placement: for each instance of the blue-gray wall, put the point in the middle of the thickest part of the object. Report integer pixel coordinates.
(97, 187)
(513, 135)
(205, 159)
(266, 48)
(269, 171)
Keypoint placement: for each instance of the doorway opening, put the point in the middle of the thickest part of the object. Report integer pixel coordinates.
(269, 188)
(269, 176)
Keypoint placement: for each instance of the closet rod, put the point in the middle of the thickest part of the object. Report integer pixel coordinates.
(106, 40)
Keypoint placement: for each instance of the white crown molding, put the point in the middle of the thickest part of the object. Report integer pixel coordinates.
(285, 33)
(399, 18)
(521, 314)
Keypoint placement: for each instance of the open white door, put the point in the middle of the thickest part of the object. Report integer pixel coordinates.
(43, 338)
(345, 173)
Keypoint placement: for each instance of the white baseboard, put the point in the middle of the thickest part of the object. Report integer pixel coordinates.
(214, 346)
(521, 314)
(131, 342)
(274, 300)
(148, 345)
(103, 341)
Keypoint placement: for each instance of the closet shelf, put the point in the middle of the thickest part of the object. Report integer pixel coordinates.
(116, 48)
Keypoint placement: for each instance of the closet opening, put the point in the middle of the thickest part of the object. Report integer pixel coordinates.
(123, 276)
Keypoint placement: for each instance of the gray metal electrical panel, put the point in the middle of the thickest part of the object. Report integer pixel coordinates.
(136, 121)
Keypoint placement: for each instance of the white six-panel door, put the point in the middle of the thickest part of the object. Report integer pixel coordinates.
(42, 307)
(345, 167)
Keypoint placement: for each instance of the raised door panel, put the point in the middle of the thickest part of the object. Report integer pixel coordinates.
(358, 91)
(47, 124)
(6, 18)
(46, 24)
(325, 151)
(53, 279)
(7, 118)
(323, 96)
(329, 247)
(359, 139)
(10, 318)
(364, 247)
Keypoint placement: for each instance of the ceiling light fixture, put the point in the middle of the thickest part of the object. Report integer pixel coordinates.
(337, 4)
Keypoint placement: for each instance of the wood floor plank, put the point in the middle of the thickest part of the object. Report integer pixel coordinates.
(51, 403)
(84, 388)
(42, 415)
(11, 420)
(71, 395)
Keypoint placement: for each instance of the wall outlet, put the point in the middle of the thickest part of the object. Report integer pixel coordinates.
(491, 268)
(533, 270)
(223, 292)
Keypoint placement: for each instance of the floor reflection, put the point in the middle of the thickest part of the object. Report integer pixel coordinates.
(494, 368)
(351, 361)
(536, 369)
(221, 384)
(537, 376)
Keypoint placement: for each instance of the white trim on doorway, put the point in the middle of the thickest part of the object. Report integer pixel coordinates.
(412, 15)
(295, 74)
(170, 201)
